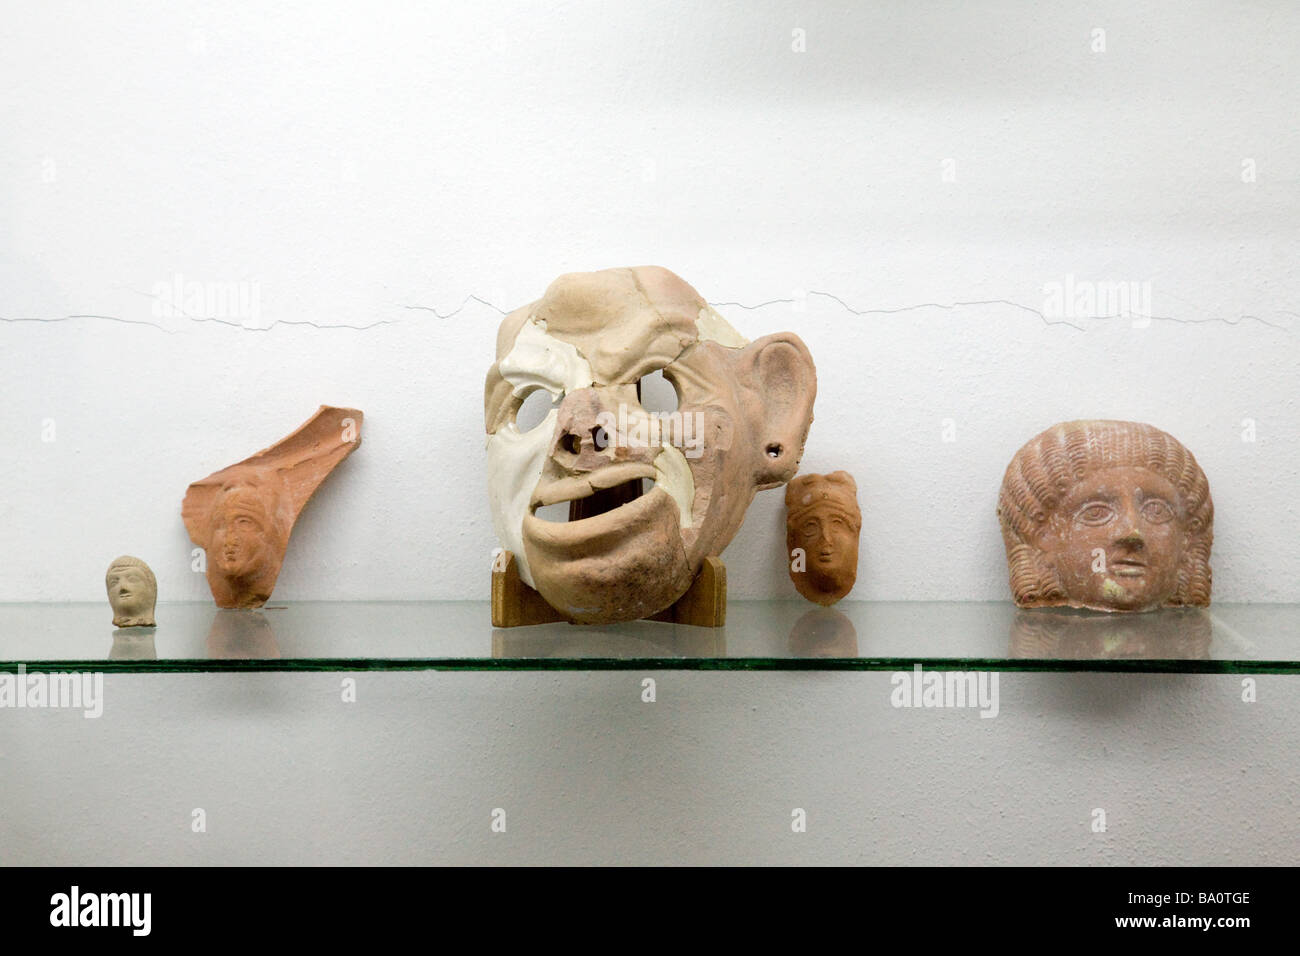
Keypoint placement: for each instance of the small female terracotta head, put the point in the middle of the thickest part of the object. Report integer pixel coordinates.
(1108, 515)
(822, 523)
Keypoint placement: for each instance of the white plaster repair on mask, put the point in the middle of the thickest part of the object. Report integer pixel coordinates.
(673, 475)
(515, 461)
(540, 359)
(714, 327)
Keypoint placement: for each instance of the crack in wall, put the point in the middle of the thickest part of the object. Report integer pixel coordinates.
(460, 308)
(1046, 319)
(67, 318)
(472, 298)
(197, 320)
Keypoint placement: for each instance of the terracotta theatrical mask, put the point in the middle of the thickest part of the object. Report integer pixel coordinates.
(1107, 515)
(650, 494)
(242, 516)
(822, 523)
(132, 592)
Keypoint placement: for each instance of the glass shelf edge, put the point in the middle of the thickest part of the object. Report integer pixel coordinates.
(319, 665)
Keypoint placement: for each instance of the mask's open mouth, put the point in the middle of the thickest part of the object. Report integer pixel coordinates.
(593, 494)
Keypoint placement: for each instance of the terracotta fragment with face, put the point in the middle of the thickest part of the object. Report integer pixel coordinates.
(650, 495)
(242, 516)
(1107, 515)
(132, 592)
(822, 524)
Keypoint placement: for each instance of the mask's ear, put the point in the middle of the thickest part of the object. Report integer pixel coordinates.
(782, 383)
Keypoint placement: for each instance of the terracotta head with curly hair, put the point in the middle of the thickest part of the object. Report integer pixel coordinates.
(1113, 516)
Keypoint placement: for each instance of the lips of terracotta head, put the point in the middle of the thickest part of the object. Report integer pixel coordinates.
(622, 565)
(1127, 566)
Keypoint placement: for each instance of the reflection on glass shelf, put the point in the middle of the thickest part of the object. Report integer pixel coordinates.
(241, 636)
(1052, 634)
(823, 632)
(790, 635)
(637, 639)
(133, 644)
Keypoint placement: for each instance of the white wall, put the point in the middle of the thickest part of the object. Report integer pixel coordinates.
(350, 162)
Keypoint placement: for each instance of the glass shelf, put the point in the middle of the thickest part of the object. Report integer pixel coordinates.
(759, 635)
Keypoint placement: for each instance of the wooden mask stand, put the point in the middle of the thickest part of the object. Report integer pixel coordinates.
(515, 604)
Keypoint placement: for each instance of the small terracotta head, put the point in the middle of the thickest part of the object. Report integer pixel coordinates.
(822, 523)
(1107, 515)
(132, 592)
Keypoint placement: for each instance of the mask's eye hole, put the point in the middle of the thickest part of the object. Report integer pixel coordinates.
(658, 394)
(532, 411)
(1157, 511)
